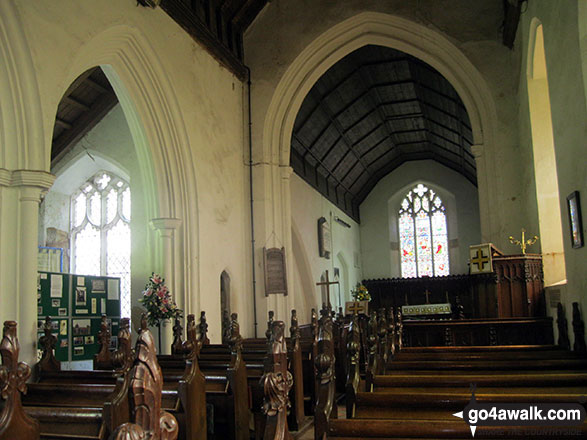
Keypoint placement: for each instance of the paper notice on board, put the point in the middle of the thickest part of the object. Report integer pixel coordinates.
(113, 289)
(94, 306)
(81, 281)
(103, 305)
(43, 276)
(56, 286)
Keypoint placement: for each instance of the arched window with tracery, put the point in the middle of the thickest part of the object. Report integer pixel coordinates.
(423, 234)
(100, 231)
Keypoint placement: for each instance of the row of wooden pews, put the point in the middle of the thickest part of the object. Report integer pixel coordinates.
(129, 409)
(416, 391)
(200, 382)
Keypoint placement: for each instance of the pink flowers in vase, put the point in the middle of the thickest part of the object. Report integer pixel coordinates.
(158, 302)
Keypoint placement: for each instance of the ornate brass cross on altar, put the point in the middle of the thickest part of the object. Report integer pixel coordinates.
(523, 243)
(327, 283)
(480, 260)
(356, 308)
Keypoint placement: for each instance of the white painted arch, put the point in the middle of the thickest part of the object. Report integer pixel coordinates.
(384, 30)
(398, 33)
(159, 134)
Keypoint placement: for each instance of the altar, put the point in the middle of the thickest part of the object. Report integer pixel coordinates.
(513, 288)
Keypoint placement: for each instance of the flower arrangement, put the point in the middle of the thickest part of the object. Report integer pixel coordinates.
(360, 293)
(157, 300)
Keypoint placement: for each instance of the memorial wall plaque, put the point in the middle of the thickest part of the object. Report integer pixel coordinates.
(275, 275)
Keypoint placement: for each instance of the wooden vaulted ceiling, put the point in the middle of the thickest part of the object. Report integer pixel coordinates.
(369, 113)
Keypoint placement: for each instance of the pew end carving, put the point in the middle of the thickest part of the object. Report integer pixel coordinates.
(177, 344)
(325, 403)
(48, 360)
(103, 359)
(14, 422)
(148, 420)
(276, 382)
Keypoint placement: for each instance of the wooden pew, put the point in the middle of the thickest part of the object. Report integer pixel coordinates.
(183, 391)
(255, 352)
(419, 403)
(14, 422)
(69, 406)
(147, 419)
(224, 379)
(276, 383)
(325, 367)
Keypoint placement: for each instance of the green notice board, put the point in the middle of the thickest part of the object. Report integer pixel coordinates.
(76, 304)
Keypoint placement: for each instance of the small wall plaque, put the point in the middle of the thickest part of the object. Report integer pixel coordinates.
(324, 238)
(275, 275)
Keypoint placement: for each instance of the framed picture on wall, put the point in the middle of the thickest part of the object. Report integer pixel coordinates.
(575, 220)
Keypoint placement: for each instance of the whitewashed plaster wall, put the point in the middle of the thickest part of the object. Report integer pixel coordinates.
(379, 233)
(564, 64)
(285, 28)
(207, 144)
(307, 207)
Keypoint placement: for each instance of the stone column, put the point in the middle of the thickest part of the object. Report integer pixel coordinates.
(287, 302)
(167, 227)
(21, 195)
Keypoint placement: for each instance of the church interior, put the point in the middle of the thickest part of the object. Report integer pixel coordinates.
(279, 219)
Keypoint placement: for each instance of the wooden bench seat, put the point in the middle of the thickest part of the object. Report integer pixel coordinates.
(65, 423)
(503, 379)
(426, 429)
(547, 364)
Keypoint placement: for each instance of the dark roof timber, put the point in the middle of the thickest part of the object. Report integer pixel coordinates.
(374, 110)
(87, 100)
(218, 25)
(511, 18)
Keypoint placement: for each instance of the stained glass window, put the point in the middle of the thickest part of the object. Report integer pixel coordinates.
(100, 231)
(422, 234)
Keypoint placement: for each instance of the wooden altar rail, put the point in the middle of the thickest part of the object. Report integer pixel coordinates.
(515, 289)
(475, 292)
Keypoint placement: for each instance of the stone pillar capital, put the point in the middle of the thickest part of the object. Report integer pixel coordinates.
(286, 172)
(26, 178)
(165, 226)
(477, 151)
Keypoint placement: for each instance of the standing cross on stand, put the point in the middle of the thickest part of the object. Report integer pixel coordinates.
(427, 293)
(327, 283)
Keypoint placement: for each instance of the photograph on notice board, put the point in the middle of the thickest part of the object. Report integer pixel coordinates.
(89, 340)
(62, 312)
(55, 302)
(80, 296)
(81, 327)
(63, 343)
(78, 351)
(78, 340)
(99, 286)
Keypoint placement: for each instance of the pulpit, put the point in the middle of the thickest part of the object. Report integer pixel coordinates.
(519, 288)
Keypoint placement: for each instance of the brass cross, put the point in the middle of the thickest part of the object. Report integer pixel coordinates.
(356, 308)
(480, 260)
(327, 283)
(524, 242)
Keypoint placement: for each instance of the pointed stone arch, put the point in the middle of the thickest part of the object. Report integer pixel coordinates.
(415, 39)
(158, 130)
